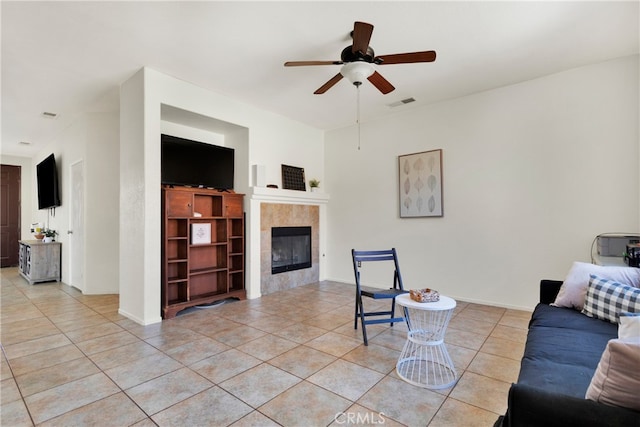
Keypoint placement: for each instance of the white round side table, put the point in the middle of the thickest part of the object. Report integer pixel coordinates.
(424, 360)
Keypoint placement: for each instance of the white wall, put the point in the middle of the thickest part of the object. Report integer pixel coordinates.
(67, 147)
(189, 132)
(259, 137)
(532, 172)
(102, 192)
(93, 139)
(132, 256)
(27, 180)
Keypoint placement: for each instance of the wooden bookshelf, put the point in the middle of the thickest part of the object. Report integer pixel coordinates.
(207, 266)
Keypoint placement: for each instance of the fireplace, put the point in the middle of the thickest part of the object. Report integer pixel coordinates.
(290, 249)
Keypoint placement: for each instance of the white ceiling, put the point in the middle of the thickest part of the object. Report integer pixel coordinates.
(71, 57)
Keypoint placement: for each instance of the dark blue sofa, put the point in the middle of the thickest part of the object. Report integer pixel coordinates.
(562, 352)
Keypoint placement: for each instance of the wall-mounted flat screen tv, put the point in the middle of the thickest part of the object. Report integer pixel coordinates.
(47, 177)
(196, 164)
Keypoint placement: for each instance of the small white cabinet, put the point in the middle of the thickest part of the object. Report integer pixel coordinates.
(40, 262)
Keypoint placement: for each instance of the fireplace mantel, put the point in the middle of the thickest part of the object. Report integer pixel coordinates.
(288, 196)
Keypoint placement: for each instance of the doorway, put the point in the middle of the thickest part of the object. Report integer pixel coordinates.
(10, 214)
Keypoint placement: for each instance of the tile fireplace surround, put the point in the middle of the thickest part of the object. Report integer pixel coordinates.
(287, 215)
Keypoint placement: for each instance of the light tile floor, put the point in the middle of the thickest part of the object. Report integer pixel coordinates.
(291, 358)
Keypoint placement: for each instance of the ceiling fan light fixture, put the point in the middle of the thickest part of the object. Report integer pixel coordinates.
(358, 59)
(357, 72)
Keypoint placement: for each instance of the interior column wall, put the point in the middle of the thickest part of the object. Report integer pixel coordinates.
(133, 247)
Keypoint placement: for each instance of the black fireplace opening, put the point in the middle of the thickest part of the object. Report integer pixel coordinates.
(290, 249)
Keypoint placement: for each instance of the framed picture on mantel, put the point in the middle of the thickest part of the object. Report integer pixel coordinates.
(293, 178)
(420, 184)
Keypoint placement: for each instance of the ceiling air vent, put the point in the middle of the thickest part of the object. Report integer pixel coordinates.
(401, 102)
(49, 115)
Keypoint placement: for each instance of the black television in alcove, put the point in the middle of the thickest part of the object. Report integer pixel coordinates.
(47, 177)
(196, 164)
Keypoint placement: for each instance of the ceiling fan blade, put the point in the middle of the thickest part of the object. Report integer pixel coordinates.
(304, 63)
(381, 83)
(328, 85)
(407, 58)
(361, 36)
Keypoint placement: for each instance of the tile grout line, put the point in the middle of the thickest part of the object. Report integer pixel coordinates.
(274, 311)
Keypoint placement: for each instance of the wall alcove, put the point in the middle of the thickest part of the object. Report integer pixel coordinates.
(152, 103)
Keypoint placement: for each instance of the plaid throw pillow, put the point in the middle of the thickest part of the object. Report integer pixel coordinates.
(606, 299)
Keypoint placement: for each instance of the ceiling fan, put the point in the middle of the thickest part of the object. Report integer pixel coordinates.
(357, 61)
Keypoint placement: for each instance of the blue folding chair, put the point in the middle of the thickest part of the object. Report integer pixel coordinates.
(376, 293)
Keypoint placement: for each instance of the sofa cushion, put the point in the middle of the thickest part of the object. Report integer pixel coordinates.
(574, 289)
(563, 350)
(617, 379)
(606, 299)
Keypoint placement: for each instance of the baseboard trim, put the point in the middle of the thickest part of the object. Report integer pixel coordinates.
(138, 320)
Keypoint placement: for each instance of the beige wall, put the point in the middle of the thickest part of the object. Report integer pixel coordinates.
(532, 173)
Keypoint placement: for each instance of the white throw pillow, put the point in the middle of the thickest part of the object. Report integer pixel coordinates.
(629, 328)
(574, 289)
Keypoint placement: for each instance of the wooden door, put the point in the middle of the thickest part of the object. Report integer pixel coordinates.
(10, 215)
(233, 205)
(179, 203)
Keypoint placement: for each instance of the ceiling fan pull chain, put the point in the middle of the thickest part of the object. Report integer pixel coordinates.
(358, 112)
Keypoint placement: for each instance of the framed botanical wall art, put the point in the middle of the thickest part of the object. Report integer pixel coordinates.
(420, 180)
